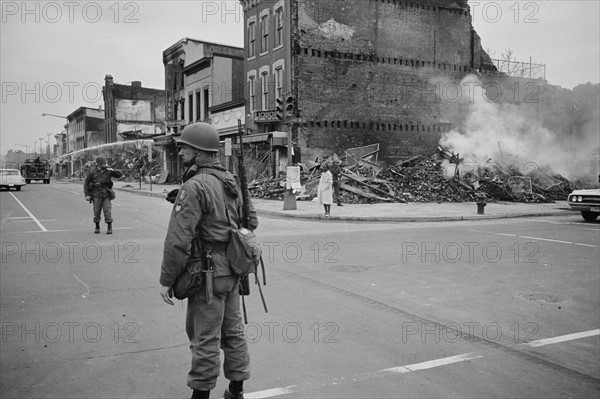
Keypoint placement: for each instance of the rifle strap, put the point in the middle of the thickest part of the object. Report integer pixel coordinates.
(262, 264)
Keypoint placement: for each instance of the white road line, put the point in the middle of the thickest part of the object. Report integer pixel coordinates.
(47, 231)
(18, 217)
(429, 364)
(577, 225)
(547, 239)
(41, 226)
(271, 392)
(432, 363)
(562, 338)
(584, 245)
(533, 238)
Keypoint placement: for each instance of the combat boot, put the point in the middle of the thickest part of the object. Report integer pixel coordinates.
(235, 390)
(97, 229)
(200, 394)
(109, 229)
(228, 395)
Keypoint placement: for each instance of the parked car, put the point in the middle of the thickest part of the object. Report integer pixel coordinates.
(586, 201)
(11, 178)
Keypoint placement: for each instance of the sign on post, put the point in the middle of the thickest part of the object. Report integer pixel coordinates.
(228, 147)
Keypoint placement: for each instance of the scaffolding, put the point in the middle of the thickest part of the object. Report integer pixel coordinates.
(519, 69)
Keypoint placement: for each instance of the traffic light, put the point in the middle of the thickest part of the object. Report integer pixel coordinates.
(289, 107)
(280, 112)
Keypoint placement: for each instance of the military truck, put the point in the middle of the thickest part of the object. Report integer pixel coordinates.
(36, 169)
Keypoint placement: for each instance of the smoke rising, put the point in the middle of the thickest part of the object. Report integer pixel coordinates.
(510, 134)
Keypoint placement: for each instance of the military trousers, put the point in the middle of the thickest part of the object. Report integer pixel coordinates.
(102, 205)
(213, 327)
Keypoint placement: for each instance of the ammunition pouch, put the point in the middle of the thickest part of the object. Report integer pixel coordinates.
(190, 280)
(111, 194)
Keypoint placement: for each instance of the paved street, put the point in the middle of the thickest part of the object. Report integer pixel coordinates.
(474, 308)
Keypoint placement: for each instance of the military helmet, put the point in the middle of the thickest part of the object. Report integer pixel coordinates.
(100, 159)
(200, 135)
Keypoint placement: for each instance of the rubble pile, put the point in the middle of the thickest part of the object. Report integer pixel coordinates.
(425, 179)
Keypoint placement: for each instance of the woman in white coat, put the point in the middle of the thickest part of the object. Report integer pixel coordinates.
(325, 189)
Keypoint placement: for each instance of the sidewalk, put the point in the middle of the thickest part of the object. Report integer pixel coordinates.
(383, 212)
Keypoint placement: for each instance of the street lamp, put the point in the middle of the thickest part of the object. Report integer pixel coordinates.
(58, 116)
(62, 117)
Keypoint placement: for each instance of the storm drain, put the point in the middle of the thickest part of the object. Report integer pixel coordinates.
(348, 268)
(541, 297)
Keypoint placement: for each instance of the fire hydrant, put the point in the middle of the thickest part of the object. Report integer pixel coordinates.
(481, 203)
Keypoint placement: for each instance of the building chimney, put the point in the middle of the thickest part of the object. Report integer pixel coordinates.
(136, 83)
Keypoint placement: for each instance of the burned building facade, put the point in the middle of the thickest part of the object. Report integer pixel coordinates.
(362, 72)
(132, 111)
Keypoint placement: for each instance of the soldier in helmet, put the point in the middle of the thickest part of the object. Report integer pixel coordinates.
(199, 211)
(98, 190)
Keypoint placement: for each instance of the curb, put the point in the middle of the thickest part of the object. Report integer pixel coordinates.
(372, 219)
(392, 219)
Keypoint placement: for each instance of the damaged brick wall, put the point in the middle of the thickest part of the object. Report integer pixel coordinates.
(367, 72)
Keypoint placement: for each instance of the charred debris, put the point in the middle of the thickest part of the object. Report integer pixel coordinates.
(440, 177)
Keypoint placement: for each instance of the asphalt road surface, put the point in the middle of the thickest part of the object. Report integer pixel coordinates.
(481, 309)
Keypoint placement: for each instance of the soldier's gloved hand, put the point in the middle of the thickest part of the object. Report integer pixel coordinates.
(88, 198)
(172, 195)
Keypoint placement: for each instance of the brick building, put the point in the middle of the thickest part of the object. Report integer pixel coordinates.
(203, 82)
(85, 128)
(361, 72)
(132, 111)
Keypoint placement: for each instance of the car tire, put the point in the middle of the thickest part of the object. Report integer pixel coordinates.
(18, 188)
(589, 216)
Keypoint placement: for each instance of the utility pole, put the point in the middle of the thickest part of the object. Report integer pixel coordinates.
(66, 138)
(41, 138)
(48, 142)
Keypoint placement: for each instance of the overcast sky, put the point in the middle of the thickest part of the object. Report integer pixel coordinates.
(54, 55)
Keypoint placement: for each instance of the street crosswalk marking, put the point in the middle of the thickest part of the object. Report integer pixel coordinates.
(268, 393)
(534, 238)
(576, 224)
(563, 338)
(431, 363)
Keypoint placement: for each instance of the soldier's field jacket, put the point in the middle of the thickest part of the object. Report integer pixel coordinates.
(98, 180)
(199, 211)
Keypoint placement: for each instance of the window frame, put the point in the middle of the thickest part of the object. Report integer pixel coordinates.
(278, 25)
(264, 76)
(252, 38)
